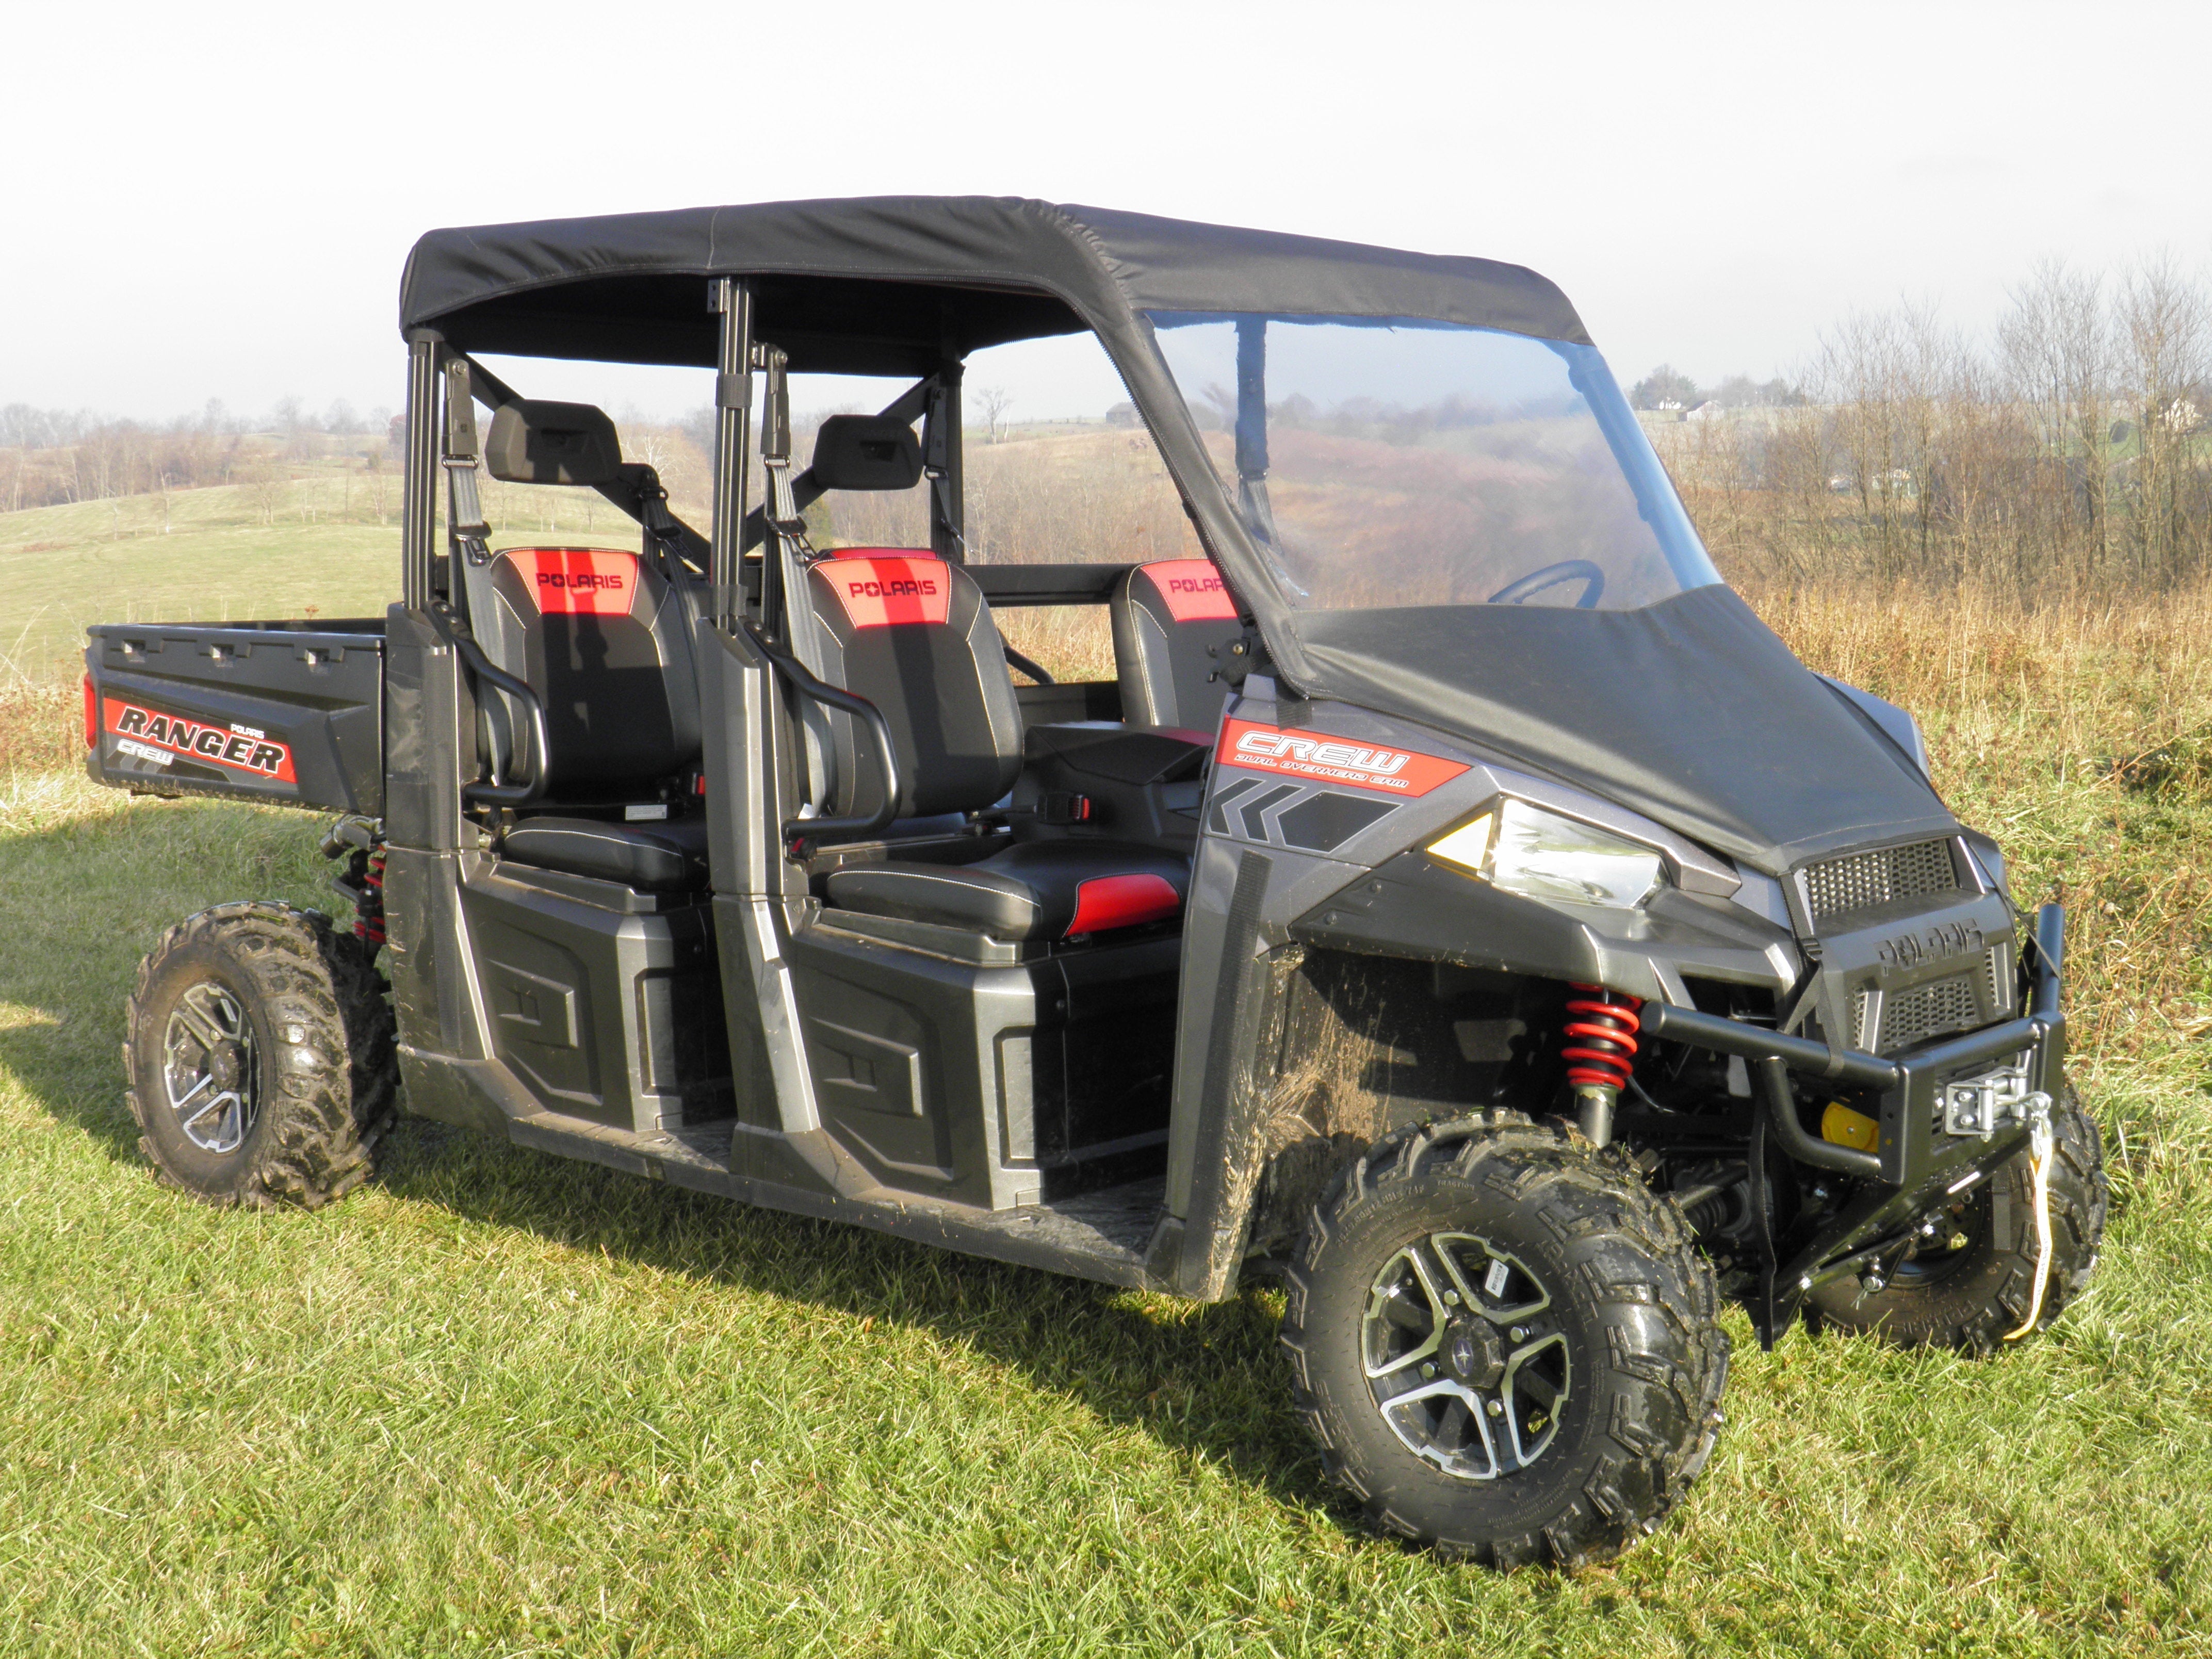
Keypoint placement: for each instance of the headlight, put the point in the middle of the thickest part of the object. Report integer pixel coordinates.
(1523, 849)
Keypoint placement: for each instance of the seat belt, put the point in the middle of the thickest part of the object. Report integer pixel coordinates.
(470, 565)
(793, 555)
(464, 522)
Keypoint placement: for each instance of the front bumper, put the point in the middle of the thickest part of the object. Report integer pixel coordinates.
(1917, 1158)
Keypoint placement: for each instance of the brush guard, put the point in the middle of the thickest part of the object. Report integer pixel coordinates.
(1925, 1149)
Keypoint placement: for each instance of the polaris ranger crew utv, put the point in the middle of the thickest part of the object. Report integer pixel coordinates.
(1458, 903)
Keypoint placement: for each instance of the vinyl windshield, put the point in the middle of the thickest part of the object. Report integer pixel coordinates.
(1388, 463)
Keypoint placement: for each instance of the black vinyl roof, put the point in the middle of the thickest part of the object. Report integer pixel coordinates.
(888, 284)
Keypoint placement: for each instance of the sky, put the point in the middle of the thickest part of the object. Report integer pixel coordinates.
(215, 202)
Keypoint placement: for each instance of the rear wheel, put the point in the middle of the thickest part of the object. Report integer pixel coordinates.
(1506, 1347)
(1974, 1278)
(260, 1056)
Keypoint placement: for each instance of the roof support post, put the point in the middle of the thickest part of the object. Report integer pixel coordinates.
(733, 415)
(1251, 424)
(418, 518)
(941, 435)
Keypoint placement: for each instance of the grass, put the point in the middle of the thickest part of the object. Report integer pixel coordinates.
(499, 1404)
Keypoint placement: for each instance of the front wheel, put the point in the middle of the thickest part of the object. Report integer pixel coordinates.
(1973, 1279)
(260, 1054)
(1507, 1348)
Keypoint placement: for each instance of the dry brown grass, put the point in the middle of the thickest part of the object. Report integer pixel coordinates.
(2081, 736)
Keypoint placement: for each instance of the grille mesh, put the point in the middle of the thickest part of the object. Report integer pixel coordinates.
(1865, 880)
(1862, 1019)
(1929, 1010)
(1998, 964)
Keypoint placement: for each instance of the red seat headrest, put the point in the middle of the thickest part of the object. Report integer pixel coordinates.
(1192, 590)
(880, 588)
(592, 581)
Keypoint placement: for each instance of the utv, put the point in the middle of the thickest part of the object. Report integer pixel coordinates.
(1458, 904)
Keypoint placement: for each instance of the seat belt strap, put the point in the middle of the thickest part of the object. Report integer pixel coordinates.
(465, 519)
(792, 554)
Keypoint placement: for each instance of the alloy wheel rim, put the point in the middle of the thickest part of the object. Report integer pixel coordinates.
(1463, 1356)
(208, 1067)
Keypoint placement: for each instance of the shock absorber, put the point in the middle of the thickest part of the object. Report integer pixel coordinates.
(368, 919)
(360, 841)
(1600, 1029)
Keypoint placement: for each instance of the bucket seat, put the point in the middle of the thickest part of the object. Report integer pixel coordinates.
(914, 635)
(1174, 622)
(604, 639)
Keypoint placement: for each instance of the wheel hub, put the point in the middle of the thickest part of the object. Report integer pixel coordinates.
(1462, 1357)
(226, 1065)
(1472, 1351)
(208, 1067)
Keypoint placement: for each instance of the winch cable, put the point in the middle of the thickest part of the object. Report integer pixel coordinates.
(2042, 1145)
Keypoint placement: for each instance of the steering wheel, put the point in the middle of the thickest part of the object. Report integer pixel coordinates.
(1566, 570)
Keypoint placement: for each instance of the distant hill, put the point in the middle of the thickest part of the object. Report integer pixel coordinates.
(298, 547)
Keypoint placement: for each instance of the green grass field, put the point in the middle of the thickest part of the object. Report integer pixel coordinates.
(499, 1404)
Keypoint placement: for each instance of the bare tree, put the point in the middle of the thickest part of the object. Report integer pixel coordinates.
(2163, 332)
(2056, 352)
(995, 400)
(267, 488)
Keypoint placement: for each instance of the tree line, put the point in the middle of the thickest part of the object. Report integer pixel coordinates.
(52, 456)
(2067, 451)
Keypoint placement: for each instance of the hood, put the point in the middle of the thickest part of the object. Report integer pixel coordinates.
(1690, 711)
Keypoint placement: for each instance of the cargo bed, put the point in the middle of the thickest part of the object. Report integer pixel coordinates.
(290, 712)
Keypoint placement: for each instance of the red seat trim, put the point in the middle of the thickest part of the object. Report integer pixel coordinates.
(1191, 590)
(887, 590)
(1108, 902)
(577, 581)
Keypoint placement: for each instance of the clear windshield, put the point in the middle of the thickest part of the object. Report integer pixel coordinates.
(1383, 463)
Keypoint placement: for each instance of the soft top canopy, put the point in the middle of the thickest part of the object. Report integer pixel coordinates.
(627, 287)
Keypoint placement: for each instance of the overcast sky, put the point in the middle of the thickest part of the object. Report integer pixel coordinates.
(216, 201)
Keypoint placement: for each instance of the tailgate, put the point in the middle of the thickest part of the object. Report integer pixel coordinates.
(291, 711)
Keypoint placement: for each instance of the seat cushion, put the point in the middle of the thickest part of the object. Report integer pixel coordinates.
(1035, 889)
(670, 854)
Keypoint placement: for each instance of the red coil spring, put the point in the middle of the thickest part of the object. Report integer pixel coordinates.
(1604, 1027)
(369, 924)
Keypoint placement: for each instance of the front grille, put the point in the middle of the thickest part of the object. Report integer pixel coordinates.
(1998, 963)
(1864, 881)
(1929, 1010)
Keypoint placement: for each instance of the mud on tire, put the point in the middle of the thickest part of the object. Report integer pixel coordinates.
(1635, 1358)
(1968, 1300)
(259, 1049)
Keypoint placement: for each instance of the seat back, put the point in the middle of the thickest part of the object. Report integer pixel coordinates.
(1173, 623)
(601, 637)
(914, 635)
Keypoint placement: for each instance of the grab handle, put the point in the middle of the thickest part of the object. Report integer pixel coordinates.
(803, 680)
(492, 791)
